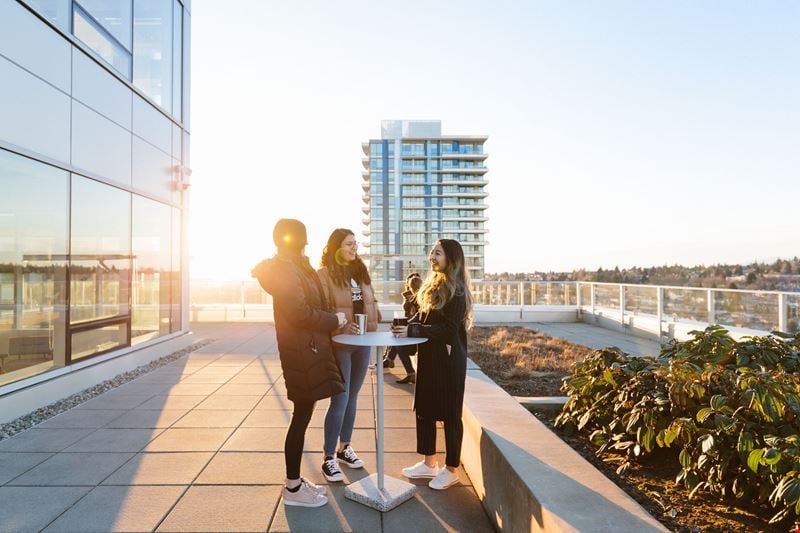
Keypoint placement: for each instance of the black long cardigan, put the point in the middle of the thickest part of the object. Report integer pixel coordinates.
(303, 326)
(441, 375)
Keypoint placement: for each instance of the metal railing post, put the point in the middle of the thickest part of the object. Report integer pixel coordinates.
(660, 312)
(783, 324)
(592, 296)
(521, 293)
(710, 307)
(508, 294)
(241, 299)
(622, 304)
(578, 294)
(533, 292)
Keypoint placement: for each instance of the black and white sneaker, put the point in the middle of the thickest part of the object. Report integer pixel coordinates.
(348, 456)
(331, 470)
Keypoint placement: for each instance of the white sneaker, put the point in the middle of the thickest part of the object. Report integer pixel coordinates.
(444, 479)
(420, 470)
(319, 488)
(305, 496)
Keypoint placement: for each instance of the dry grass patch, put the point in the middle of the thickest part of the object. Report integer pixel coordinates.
(522, 361)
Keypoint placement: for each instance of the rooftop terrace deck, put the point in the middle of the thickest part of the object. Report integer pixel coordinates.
(197, 446)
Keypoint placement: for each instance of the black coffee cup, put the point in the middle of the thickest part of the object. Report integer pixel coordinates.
(399, 322)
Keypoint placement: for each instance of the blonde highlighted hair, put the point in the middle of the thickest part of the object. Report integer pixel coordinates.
(440, 287)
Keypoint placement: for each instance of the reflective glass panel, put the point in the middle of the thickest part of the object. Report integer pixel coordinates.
(152, 50)
(109, 50)
(152, 265)
(176, 271)
(101, 251)
(56, 11)
(33, 245)
(98, 340)
(113, 15)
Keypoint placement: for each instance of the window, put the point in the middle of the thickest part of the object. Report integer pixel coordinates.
(152, 50)
(96, 37)
(33, 251)
(114, 16)
(376, 149)
(177, 59)
(100, 265)
(152, 269)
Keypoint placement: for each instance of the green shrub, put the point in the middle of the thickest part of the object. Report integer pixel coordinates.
(731, 408)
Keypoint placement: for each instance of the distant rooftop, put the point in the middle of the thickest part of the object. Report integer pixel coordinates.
(420, 129)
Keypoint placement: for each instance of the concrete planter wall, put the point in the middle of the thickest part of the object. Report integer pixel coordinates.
(528, 479)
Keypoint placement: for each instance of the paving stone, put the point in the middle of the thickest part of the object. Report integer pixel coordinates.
(244, 389)
(108, 509)
(115, 440)
(14, 464)
(146, 418)
(171, 402)
(221, 401)
(398, 402)
(160, 469)
(276, 402)
(340, 514)
(206, 379)
(26, 509)
(192, 389)
(211, 419)
(115, 401)
(82, 418)
(455, 509)
(189, 440)
(405, 439)
(143, 388)
(399, 418)
(65, 469)
(43, 440)
(256, 440)
(257, 379)
(244, 468)
(223, 508)
(272, 418)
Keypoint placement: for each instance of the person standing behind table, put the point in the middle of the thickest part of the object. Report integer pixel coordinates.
(303, 325)
(410, 308)
(348, 286)
(445, 315)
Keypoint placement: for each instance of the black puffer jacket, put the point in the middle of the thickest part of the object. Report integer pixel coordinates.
(303, 325)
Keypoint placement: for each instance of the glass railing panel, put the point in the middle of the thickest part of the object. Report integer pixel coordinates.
(686, 304)
(642, 300)
(606, 296)
(755, 310)
(586, 294)
(793, 313)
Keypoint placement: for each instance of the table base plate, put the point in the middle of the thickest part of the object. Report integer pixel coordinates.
(395, 492)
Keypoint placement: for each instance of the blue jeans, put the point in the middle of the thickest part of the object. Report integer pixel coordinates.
(341, 416)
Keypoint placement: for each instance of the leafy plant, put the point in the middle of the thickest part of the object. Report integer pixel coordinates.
(732, 408)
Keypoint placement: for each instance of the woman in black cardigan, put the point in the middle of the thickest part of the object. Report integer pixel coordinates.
(445, 314)
(303, 325)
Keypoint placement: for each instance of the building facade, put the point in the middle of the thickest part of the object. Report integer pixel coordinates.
(420, 186)
(94, 167)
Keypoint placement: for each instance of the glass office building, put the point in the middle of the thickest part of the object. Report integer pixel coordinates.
(420, 186)
(94, 157)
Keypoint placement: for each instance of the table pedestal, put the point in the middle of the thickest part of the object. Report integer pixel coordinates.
(380, 492)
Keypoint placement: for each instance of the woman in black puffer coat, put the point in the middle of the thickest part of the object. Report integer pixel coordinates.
(303, 325)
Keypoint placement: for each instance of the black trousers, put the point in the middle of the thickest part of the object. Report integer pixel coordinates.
(295, 437)
(453, 434)
(405, 353)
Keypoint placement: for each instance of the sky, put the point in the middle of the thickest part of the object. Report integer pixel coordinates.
(621, 133)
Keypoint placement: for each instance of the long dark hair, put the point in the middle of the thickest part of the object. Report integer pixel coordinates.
(338, 269)
(440, 287)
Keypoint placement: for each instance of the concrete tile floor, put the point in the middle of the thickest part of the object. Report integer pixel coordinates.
(197, 445)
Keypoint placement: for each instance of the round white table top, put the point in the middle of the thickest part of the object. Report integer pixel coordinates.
(378, 338)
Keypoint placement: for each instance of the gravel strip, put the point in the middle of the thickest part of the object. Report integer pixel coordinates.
(9, 429)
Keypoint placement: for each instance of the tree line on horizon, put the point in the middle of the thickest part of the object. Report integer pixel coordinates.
(782, 275)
